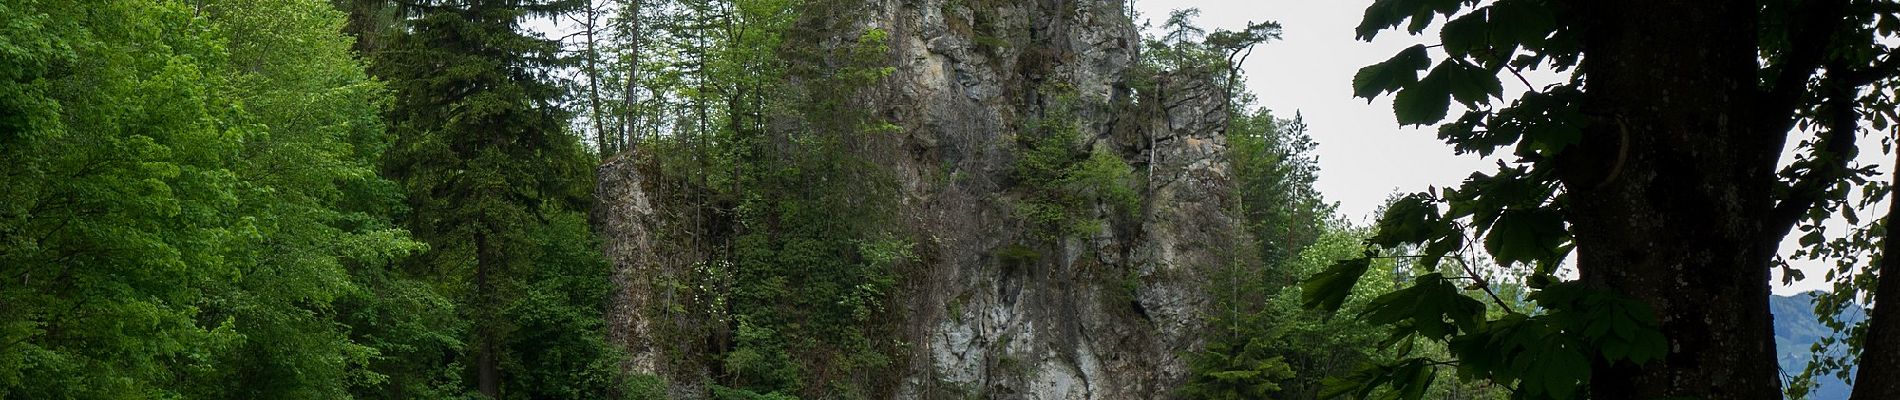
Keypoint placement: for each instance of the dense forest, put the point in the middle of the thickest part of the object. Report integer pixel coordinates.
(933, 199)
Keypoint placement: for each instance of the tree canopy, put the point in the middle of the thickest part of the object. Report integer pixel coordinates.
(1658, 163)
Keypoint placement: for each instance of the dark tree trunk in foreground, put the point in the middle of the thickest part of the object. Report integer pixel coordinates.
(1668, 191)
(1879, 375)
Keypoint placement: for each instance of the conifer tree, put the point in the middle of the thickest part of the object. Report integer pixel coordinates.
(495, 185)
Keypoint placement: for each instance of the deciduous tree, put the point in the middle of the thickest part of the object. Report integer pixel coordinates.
(1659, 161)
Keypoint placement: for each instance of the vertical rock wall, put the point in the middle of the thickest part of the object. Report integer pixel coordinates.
(652, 250)
(1106, 317)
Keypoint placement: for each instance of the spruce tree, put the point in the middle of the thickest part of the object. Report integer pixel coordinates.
(495, 185)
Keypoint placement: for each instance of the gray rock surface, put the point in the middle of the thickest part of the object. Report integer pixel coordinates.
(1111, 316)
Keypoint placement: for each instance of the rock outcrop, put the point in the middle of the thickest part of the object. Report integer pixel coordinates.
(996, 312)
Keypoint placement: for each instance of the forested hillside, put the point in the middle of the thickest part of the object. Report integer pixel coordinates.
(931, 199)
(214, 200)
(1798, 332)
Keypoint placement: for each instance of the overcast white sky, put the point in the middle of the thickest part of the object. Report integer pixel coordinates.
(1363, 154)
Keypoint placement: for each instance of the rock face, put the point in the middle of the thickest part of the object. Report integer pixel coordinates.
(995, 312)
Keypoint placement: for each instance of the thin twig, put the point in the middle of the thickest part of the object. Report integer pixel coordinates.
(1520, 76)
(1484, 285)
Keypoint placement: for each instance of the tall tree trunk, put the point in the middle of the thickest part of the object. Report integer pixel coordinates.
(632, 36)
(1879, 375)
(489, 375)
(487, 368)
(366, 21)
(601, 143)
(1667, 190)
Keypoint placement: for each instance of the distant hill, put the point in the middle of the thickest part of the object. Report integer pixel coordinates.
(1796, 329)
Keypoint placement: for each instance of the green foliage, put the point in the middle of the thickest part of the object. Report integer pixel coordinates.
(1018, 256)
(1185, 49)
(766, 106)
(1393, 74)
(1264, 344)
(1255, 333)
(1247, 372)
(192, 209)
(1274, 170)
(1327, 290)
(414, 327)
(93, 197)
(645, 387)
(726, 393)
(760, 361)
(1541, 352)
(1064, 184)
(496, 186)
(556, 347)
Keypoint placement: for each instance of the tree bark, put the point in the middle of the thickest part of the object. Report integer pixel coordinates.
(629, 115)
(489, 374)
(1667, 189)
(1879, 375)
(365, 22)
(487, 368)
(602, 145)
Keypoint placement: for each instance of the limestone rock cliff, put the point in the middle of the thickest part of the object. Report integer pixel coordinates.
(1112, 316)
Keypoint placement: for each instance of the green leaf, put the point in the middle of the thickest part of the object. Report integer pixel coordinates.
(1465, 137)
(1421, 19)
(1550, 137)
(1527, 236)
(1433, 307)
(1563, 370)
(1382, 14)
(1409, 378)
(1428, 100)
(1522, 21)
(1550, 121)
(1399, 306)
(1436, 251)
(1464, 34)
(1392, 74)
(1540, 281)
(1616, 350)
(1412, 378)
(1424, 102)
(1327, 290)
(1470, 84)
(1387, 14)
(1812, 238)
(1412, 219)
